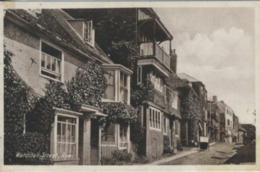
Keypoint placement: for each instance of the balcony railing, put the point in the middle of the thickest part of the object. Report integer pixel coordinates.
(146, 49)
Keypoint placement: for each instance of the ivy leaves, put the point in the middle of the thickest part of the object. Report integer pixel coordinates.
(17, 97)
(87, 86)
(118, 113)
(141, 93)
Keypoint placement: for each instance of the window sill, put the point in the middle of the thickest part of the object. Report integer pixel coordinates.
(156, 129)
(122, 148)
(47, 77)
(109, 145)
(108, 100)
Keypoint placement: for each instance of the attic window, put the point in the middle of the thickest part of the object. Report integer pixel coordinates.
(89, 33)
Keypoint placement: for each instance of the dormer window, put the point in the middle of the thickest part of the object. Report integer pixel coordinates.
(84, 29)
(89, 33)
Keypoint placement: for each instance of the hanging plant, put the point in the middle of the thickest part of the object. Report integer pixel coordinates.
(118, 113)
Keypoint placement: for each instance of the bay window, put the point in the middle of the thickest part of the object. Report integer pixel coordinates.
(51, 62)
(118, 83)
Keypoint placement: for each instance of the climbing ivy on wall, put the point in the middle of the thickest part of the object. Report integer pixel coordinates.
(87, 86)
(19, 99)
(191, 107)
(118, 113)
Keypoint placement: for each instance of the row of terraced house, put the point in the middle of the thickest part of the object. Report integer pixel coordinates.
(127, 44)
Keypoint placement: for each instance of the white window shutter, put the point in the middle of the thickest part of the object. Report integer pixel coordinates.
(90, 33)
(93, 37)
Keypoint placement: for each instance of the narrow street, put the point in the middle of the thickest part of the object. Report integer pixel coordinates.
(220, 153)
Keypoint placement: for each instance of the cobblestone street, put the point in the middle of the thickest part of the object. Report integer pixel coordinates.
(220, 153)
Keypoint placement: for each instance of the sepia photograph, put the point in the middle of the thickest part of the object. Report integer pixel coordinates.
(129, 86)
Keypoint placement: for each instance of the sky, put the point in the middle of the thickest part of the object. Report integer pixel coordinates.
(216, 46)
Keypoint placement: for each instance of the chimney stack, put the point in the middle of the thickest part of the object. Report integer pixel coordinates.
(215, 99)
(173, 61)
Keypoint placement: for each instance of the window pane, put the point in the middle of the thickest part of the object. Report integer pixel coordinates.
(123, 136)
(108, 135)
(110, 88)
(50, 64)
(110, 77)
(73, 139)
(121, 79)
(66, 133)
(159, 120)
(43, 60)
(150, 117)
(125, 80)
(123, 94)
(63, 132)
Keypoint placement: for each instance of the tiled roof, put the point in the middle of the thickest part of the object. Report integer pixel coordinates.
(187, 77)
(53, 23)
(175, 82)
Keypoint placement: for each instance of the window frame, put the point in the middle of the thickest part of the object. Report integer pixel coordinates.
(155, 121)
(92, 33)
(119, 137)
(108, 144)
(106, 99)
(61, 63)
(69, 114)
(124, 87)
(139, 74)
(165, 125)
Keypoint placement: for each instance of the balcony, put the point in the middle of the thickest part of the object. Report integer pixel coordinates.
(147, 50)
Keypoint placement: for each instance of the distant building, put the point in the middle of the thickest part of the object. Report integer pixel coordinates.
(235, 128)
(213, 120)
(226, 122)
(201, 91)
(198, 123)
